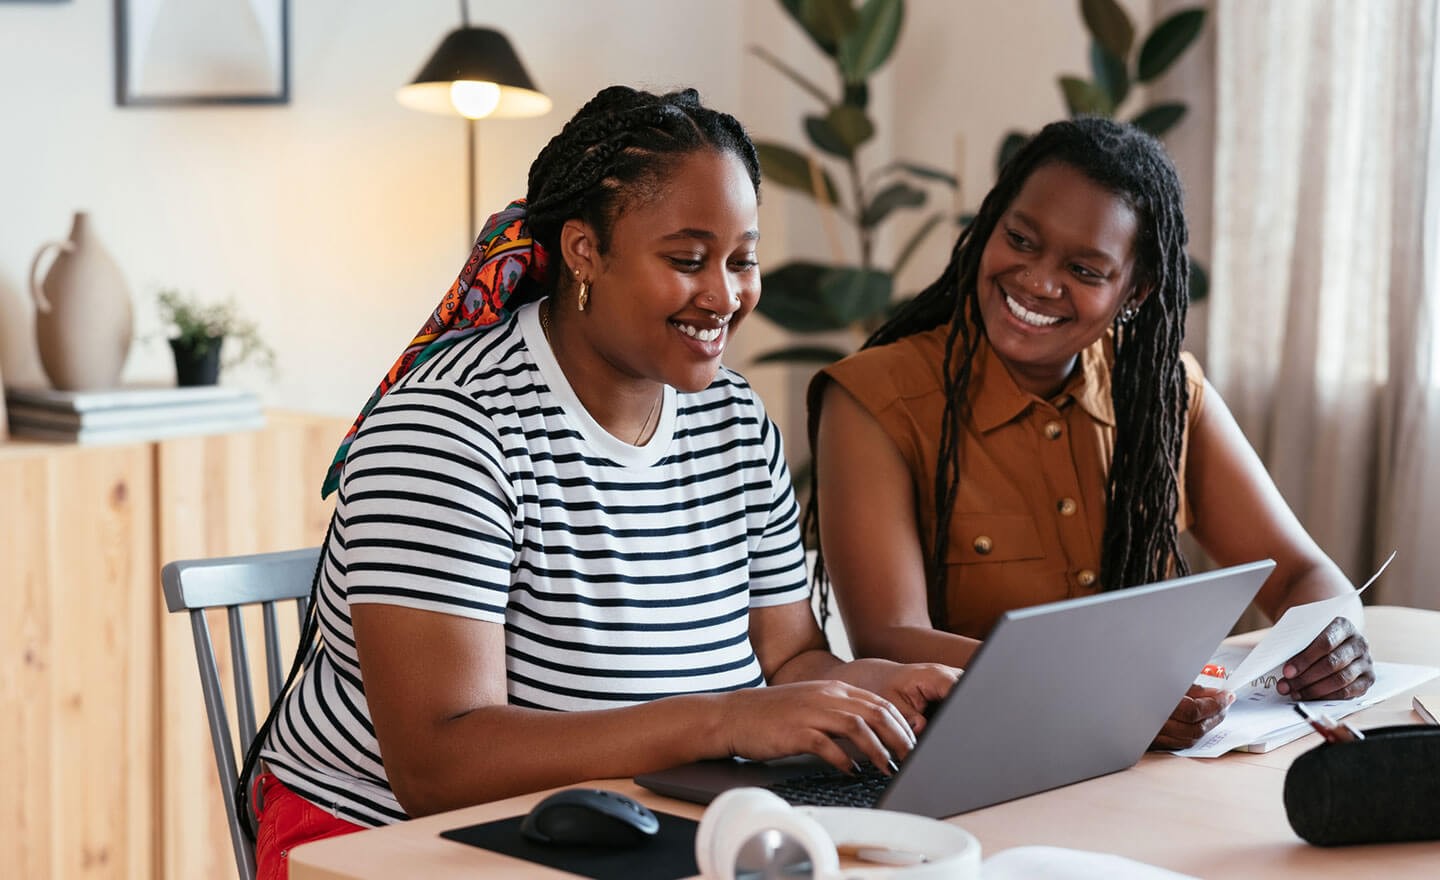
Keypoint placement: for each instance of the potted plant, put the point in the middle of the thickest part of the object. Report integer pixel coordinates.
(855, 292)
(198, 331)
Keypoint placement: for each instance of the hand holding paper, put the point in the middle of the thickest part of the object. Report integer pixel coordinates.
(1309, 634)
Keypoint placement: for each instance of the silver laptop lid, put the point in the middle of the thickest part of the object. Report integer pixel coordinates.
(1069, 690)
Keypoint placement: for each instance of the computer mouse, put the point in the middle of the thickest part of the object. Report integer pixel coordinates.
(590, 817)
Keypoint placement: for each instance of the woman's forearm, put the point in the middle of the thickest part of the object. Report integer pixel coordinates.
(497, 752)
(915, 644)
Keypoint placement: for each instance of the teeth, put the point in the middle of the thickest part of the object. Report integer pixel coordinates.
(702, 335)
(1034, 319)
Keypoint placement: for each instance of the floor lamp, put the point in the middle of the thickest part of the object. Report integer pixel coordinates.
(474, 73)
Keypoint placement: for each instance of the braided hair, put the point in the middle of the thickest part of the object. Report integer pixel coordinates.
(1148, 387)
(617, 152)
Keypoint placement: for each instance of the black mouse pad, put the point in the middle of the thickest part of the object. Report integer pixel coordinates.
(669, 855)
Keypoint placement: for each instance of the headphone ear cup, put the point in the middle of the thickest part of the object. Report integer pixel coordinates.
(727, 812)
(738, 815)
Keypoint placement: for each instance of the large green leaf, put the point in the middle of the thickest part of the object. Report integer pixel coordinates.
(790, 169)
(897, 195)
(1083, 96)
(852, 295)
(1109, 25)
(825, 138)
(826, 21)
(841, 131)
(873, 40)
(801, 354)
(1171, 37)
(1160, 118)
(908, 249)
(1110, 75)
(1009, 147)
(791, 298)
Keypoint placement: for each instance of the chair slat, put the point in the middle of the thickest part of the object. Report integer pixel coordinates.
(219, 720)
(274, 662)
(240, 670)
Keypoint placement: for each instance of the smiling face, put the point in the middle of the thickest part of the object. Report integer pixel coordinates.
(679, 276)
(1058, 267)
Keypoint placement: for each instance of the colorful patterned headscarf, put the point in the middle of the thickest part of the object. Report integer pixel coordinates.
(503, 254)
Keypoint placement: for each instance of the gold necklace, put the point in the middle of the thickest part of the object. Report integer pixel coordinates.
(654, 408)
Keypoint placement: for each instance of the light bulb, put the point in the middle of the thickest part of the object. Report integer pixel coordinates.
(474, 100)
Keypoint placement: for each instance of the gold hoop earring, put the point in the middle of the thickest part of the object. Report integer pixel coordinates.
(584, 295)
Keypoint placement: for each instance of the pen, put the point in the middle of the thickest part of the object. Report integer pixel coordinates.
(1332, 731)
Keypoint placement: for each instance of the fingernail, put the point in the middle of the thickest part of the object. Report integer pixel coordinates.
(1283, 687)
(855, 768)
(1289, 670)
(1229, 697)
(894, 768)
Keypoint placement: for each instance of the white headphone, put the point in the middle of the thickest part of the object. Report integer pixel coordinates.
(752, 833)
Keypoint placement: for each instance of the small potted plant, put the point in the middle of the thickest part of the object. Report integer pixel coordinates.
(199, 330)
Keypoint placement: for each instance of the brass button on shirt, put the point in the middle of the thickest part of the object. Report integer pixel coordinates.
(1030, 508)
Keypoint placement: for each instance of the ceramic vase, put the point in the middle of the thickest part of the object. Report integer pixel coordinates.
(83, 316)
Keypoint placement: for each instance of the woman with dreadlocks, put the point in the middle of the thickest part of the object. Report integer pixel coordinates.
(1027, 429)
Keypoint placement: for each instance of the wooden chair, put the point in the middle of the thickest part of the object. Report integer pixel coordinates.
(233, 583)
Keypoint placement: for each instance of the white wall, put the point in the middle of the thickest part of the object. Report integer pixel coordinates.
(338, 219)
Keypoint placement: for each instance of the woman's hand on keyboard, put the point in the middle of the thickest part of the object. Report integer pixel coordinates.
(809, 717)
(911, 687)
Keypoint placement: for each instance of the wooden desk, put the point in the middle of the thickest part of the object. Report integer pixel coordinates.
(1210, 818)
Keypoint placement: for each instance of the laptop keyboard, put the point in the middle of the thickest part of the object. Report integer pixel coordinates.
(831, 788)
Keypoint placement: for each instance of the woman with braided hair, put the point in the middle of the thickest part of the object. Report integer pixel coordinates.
(1027, 429)
(565, 544)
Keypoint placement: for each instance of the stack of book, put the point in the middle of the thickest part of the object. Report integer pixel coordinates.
(130, 414)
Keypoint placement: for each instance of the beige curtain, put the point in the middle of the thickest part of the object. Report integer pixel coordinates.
(1323, 316)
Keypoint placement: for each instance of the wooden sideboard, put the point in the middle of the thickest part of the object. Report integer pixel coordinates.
(104, 750)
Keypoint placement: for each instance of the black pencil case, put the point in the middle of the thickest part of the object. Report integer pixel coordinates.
(1382, 789)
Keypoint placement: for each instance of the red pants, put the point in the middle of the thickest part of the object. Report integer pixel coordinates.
(286, 821)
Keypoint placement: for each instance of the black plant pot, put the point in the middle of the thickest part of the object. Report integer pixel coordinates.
(197, 362)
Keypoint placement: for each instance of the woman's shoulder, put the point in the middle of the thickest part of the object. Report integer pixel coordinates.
(907, 367)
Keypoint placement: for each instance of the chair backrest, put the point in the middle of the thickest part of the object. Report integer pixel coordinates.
(233, 583)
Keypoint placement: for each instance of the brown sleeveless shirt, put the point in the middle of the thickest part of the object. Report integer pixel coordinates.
(1030, 507)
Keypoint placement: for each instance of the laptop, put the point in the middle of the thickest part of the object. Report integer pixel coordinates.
(1058, 693)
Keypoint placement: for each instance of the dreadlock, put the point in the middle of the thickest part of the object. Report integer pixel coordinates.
(615, 152)
(1148, 386)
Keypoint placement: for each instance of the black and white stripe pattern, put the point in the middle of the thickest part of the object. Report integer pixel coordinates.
(480, 487)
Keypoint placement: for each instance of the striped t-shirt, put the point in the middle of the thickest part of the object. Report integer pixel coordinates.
(480, 486)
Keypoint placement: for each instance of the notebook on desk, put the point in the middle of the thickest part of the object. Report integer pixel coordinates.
(1058, 693)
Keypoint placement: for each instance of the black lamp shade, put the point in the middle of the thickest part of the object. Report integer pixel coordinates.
(475, 55)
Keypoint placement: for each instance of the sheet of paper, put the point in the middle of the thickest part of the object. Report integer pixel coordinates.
(1264, 712)
(1061, 863)
(1290, 635)
(1297, 628)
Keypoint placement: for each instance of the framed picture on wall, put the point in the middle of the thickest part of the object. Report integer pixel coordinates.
(170, 52)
